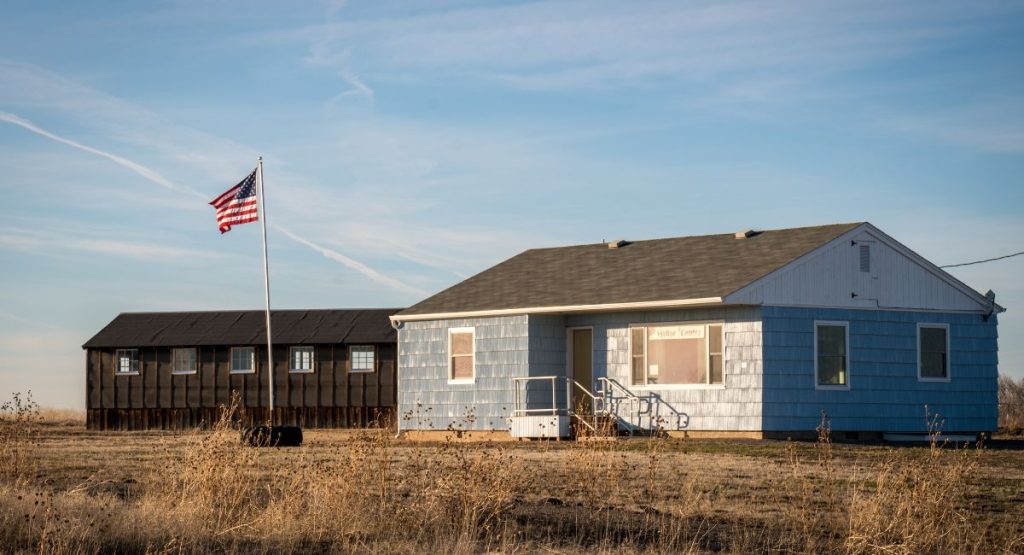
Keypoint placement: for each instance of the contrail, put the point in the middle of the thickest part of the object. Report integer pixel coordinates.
(351, 263)
(155, 177)
(124, 162)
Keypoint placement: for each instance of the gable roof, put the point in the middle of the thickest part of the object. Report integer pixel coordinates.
(245, 327)
(684, 270)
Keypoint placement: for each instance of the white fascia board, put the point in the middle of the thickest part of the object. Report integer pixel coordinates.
(568, 309)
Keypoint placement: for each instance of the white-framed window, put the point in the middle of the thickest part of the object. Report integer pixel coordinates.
(243, 360)
(461, 355)
(933, 352)
(301, 359)
(831, 355)
(183, 361)
(362, 358)
(677, 354)
(126, 362)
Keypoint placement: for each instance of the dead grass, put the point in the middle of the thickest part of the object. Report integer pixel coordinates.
(77, 491)
(61, 417)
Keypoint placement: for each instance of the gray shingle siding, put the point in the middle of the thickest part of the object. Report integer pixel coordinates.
(427, 401)
(734, 407)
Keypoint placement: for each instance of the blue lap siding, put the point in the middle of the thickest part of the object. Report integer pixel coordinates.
(885, 393)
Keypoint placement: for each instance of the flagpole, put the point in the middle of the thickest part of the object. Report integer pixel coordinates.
(266, 292)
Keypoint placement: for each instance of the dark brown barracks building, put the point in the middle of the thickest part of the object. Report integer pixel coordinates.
(172, 370)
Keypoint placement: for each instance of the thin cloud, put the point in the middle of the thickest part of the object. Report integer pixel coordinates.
(352, 263)
(149, 251)
(39, 243)
(147, 173)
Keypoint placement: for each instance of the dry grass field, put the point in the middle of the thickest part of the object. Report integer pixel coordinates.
(68, 490)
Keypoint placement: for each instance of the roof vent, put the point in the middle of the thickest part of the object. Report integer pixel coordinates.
(617, 244)
(746, 234)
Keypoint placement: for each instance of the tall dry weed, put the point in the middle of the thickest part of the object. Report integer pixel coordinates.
(19, 431)
(917, 503)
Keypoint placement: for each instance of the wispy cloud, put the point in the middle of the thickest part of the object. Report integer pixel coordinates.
(121, 248)
(48, 243)
(324, 52)
(586, 44)
(352, 263)
(147, 173)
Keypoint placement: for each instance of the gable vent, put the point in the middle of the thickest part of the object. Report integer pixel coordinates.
(617, 244)
(865, 258)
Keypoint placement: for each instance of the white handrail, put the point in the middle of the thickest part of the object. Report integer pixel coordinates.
(608, 383)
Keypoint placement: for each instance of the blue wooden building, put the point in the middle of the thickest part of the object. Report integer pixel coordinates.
(757, 333)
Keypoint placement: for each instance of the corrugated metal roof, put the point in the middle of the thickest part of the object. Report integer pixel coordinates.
(641, 271)
(246, 327)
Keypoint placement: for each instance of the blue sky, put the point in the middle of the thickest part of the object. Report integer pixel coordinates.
(408, 145)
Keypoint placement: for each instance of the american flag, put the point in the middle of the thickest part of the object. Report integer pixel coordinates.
(237, 205)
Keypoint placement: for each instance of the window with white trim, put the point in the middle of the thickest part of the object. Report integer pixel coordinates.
(301, 359)
(831, 355)
(183, 361)
(677, 354)
(363, 358)
(243, 360)
(933, 352)
(461, 357)
(126, 362)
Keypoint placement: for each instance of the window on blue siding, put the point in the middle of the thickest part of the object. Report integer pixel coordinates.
(933, 352)
(833, 361)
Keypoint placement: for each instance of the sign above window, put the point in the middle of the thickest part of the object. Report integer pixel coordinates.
(665, 333)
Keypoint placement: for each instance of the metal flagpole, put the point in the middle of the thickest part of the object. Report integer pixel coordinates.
(266, 291)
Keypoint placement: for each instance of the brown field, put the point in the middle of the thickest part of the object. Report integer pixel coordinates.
(68, 490)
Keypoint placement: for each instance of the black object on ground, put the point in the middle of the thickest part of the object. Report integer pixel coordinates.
(272, 436)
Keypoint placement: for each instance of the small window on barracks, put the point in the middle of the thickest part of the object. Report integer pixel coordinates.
(183, 361)
(126, 362)
(243, 360)
(301, 359)
(363, 358)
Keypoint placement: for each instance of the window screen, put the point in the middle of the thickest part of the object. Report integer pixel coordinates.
(934, 352)
(833, 362)
(362, 357)
(461, 349)
(243, 359)
(637, 341)
(183, 361)
(126, 361)
(301, 359)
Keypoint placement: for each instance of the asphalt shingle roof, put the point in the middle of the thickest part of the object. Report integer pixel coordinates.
(653, 270)
(246, 327)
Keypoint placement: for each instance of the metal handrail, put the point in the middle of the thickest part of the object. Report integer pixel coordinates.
(600, 402)
(608, 383)
(517, 399)
(597, 404)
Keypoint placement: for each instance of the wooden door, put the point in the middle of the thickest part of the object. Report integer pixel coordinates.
(582, 365)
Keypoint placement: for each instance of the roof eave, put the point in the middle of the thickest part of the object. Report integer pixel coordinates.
(566, 309)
